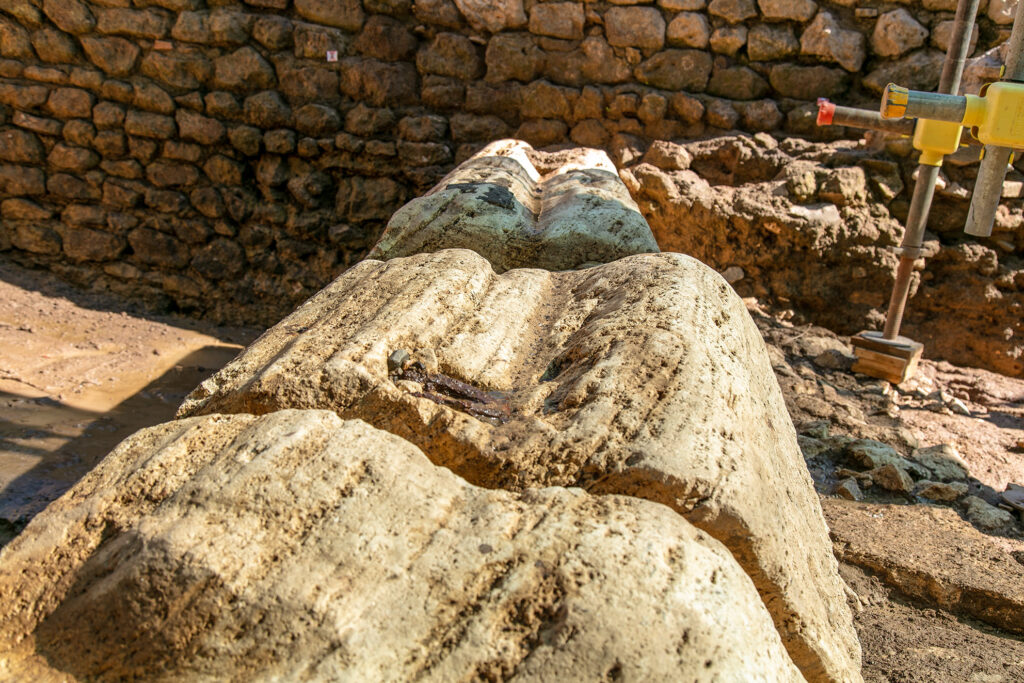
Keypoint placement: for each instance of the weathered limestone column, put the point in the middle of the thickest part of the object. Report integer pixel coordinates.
(498, 205)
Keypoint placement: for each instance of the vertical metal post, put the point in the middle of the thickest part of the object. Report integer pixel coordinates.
(988, 188)
(924, 188)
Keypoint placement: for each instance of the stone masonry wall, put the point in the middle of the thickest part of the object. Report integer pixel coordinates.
(229, 158)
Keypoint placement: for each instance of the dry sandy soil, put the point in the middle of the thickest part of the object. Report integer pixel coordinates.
(938, 596)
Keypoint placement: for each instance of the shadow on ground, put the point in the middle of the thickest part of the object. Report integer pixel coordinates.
(46, 445)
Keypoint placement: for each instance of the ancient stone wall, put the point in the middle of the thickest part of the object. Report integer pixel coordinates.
(229, 158)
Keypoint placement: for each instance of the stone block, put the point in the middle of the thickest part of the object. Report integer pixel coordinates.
(769, 42)
(158, 249)
(69, 158)
(267, 110)
(199, 128)
(641, 27)
(244, 70)
(181, 69)
(148, 125)
(491, 15)
(20, 147)
(317, 120)
(676, 70)
(386, 38)
(71, 16)
(115, 56)
(896, 33)
(344, 14)
(87, 244)
(35, 238)
(728, 40)
(558, 20)
(737, 83)
(825, 38)
(793, 10)
(69, 103)
(513, 56)
(53, 46)
(807, 82)
(450, 54)
(689, 29)
(151, 24)
(733, 11)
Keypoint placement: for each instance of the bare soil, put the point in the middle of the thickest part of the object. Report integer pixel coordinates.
(78, 373)
(81, 371)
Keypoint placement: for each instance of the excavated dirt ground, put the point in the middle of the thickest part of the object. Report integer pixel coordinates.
(80, 371)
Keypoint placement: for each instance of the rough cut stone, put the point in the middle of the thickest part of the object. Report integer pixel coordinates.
(689, 29)
(69, 158)
(512, 56)
(919, 70)
(825, 38)
(767, 42)
(243, 70)
(116, 56)
(1002, 11)
(14, 40)
(147, 125)
(345, 554)
(497, 204)
(737, 83)
(53, 46)
(72, 16)
(146, 23)
(386, 38)
(676, 70)
(558, 20)
(733, 11)
(682, 5)
(796, 10)
(897, 32)
(22, 180)
(86, 244)
(179, 69)
(493, 15)
(728, 40)
(943, 33)
(807, 82)
(450, 54)
(70, 103)
(641, 27)
(199, 128)
(35, 238)
(940, 491)
(159, 249)
(644, 377)
(345, 14)
(20, 147)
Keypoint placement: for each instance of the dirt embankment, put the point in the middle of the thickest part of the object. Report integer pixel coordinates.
(813, 228)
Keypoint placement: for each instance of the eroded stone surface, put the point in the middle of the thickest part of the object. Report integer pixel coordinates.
(301, 545)
(498, 205)
(929, 553)
(643, 377)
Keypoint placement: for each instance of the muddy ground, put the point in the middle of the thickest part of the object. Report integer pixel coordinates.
(937, 585)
